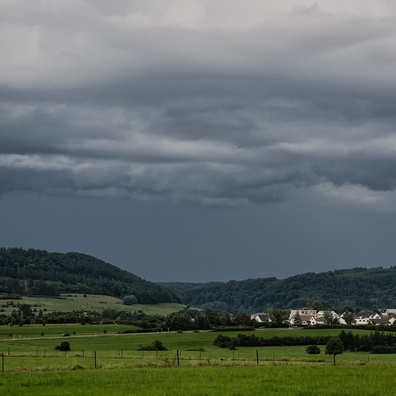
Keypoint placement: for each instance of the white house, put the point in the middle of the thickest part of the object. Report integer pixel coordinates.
(261, 317)
(294, 312)
(301, 320)
(361, 320)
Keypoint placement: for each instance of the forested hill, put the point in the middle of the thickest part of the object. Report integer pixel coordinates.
(357, 288)
(38, 272)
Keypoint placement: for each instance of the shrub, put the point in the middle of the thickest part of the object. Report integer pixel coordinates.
(380, 349)
(64, 346)
(154, 346)
(222, 341)
(130, 300)
(313, 350)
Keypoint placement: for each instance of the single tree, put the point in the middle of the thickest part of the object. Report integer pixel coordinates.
(278, 315)
(317, 305)
(25, 311)
(297, 320)
(334, 347)
(349, 317)
(241, 319)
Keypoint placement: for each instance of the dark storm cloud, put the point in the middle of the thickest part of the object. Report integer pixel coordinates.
(189, 103)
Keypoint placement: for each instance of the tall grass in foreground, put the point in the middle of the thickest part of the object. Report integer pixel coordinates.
(231, 381)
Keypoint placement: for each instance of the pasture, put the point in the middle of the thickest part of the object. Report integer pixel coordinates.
(201, 381)
(86, 302)
(104, 362)
(24, 346)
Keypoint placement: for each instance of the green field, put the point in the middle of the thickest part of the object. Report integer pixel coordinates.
(201, 381)
(192, 365)
(86, 302)
(24, 346)
(56, 330)
(87, 334)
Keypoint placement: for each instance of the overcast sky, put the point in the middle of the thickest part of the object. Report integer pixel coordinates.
(200, 140)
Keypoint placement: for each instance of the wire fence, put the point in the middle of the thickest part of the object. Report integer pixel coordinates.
(45, 359)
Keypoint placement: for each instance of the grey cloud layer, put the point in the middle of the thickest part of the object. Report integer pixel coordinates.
(162, 103)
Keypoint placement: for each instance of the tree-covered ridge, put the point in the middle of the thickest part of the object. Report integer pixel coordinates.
(40, 272)
(358, 287)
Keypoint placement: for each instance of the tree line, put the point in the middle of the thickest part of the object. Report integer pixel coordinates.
(366, 342)
(243, 340)
(375, 342)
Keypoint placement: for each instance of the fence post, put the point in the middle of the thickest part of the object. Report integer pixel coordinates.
(2, 362)
(257, 357)
(95, 359)
(177, 358)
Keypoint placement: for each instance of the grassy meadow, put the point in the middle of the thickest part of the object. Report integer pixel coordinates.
(87, 302)
(192, 364)
(200, 381)
(24, 346)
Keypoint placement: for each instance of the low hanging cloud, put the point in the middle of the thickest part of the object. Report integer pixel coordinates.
(219, 103)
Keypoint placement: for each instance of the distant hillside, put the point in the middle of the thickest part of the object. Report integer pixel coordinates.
(38, 272)
(358, 287)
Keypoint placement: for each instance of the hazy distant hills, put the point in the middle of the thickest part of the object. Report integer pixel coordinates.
(357, 288)
(38, 272)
